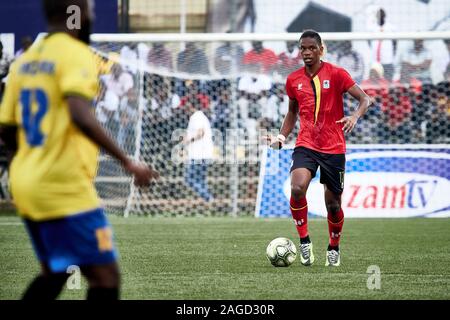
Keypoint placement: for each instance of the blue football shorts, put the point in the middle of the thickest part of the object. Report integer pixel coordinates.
(82, 239)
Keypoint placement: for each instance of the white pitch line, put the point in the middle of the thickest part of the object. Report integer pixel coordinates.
(10, 223)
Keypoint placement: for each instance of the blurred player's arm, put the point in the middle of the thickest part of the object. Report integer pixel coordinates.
(83, 117)
(286, 128)
(364, 103)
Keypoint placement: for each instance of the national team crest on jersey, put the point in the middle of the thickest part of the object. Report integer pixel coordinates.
(299, 87)
(326, 84)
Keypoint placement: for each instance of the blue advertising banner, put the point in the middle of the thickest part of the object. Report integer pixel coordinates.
(396, 181)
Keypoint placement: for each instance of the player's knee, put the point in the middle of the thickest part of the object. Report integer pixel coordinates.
(298, 191)
(333, 207)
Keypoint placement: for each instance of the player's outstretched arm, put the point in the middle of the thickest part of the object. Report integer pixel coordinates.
(84, 119)
(364, 103)
(286, 128)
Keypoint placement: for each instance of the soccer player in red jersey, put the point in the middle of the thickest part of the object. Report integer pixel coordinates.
(316, 97)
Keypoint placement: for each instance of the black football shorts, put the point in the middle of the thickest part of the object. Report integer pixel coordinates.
(332, 166)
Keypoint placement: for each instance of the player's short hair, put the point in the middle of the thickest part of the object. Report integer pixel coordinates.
(310, 33)
(56, 10)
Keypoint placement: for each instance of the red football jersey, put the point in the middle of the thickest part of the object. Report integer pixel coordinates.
(267, 58)
(321, 104)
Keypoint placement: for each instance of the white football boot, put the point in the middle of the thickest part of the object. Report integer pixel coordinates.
(333, 258)
(306, 254)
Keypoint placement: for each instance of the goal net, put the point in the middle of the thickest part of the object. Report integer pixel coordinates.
(151, 85)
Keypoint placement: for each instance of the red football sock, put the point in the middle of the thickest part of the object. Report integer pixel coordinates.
(335, 223)
(299, 211)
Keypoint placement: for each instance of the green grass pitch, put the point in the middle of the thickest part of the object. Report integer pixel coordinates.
(224, 258)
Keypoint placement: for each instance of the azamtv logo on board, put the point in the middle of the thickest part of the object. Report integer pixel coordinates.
(378, 193)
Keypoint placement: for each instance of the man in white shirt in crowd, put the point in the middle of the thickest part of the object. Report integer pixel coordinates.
(200, 149)
(351, 60)
(5, 62)
(275, 109)
(383, 51)
(129, 57)
(118, 87)
(415, 63)
(253, 90)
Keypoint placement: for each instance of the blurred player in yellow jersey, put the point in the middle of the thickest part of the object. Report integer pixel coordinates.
(48, 123)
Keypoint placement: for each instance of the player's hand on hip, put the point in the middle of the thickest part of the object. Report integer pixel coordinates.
(349, 123)
(274, 142)
(142, 173)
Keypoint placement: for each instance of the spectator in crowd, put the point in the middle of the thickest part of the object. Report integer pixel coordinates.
(350, 60)
(226, 55)
(273, 112)
(437, 127)
(222, 115)
(128, 118)
(290, 60)
(160, 57)
(415, 63)
(160, 120)
(164, 103)
(214, 88)
(200, 150)
(260, 55)
(142, 50)
(331, 50)
(253, 89)
(447, 74)
(5, 62)
(25, 43)
(383, 51)
(228, 59)
(443, 89)
(129, 58)
(377, 88)
(192, 60)
(118, 88)
(396, 116)
(195, 95)
(422, 100)
(447, 61)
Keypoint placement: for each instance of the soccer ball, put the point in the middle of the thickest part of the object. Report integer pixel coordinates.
(281, 252)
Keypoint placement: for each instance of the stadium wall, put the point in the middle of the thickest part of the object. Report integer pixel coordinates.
(25, 18)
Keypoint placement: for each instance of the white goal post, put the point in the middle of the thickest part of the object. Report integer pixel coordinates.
(239, 37)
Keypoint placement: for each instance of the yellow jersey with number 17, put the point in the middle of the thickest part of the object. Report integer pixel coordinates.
(52, 174)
